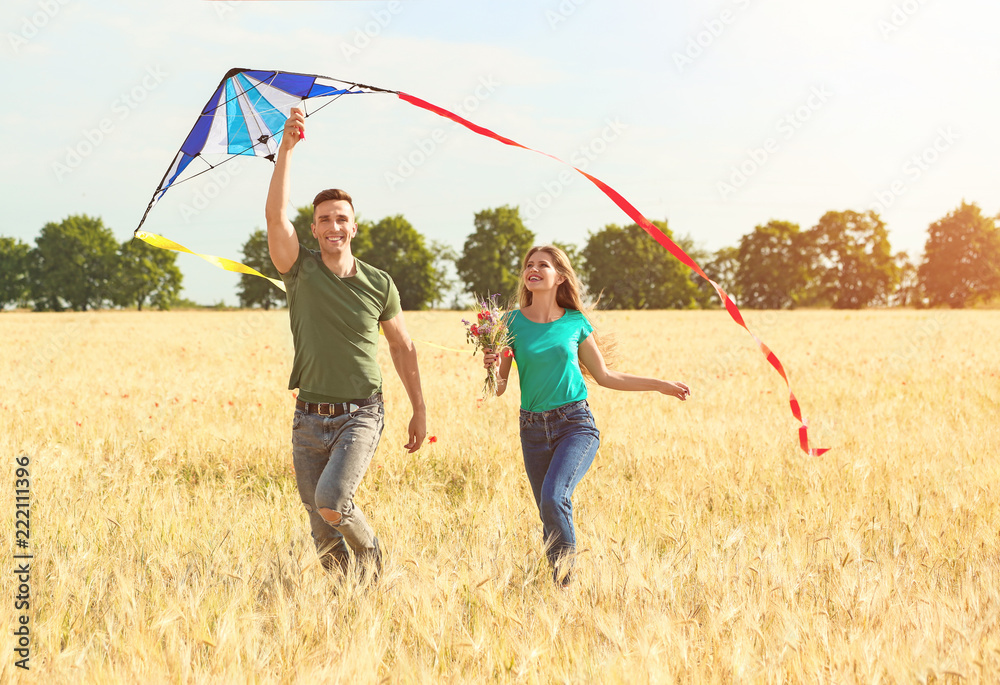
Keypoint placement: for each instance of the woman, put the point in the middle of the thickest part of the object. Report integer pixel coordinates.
(551, 336)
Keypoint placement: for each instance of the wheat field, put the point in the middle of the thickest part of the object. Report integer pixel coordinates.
(170, 545)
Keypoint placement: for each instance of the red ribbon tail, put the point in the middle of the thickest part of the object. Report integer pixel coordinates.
(656, 234)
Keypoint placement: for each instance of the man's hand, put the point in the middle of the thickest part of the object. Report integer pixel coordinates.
(416, 432)
(295, 129)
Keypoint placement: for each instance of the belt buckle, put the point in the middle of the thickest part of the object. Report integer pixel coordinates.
(330, 408)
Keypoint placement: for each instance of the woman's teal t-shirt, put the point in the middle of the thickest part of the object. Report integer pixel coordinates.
(547, 356)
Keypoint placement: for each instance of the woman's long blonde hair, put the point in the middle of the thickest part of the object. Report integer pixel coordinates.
(567, 295)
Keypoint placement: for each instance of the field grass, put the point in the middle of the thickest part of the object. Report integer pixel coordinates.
(170, 545)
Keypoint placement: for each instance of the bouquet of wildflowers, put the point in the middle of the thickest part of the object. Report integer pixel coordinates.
(489, 332)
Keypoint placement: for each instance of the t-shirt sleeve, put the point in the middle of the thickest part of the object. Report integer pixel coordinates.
(292, 274)
(392, 306)
(509, 319)
(586, 328)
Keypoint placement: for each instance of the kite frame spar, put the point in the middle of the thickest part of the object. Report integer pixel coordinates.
(300, 86)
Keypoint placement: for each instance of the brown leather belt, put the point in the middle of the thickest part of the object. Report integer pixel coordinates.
(336, 408)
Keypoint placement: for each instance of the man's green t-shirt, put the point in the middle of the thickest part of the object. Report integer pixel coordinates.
(335, 328)
(547, 356)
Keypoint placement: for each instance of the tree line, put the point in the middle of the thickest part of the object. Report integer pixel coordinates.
(845, 261)
(78, 264)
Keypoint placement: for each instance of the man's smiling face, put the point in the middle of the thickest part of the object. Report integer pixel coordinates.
(334, 226)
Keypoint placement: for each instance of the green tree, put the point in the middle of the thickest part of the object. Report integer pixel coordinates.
(491, 257)
(908, 292)
(146, 273)
(705, 296)
(627, 269)
(961, 258)
(575, 255)
(773, 267)
(14, 262)
(302, 223)
(855, 261)
(73, 265)
(444, 260)
(254, 291)
(398, 249)
(722, 266)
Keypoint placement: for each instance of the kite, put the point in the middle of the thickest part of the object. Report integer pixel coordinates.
(246, 115)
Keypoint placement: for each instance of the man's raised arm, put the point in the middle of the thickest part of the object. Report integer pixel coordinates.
(282, 242)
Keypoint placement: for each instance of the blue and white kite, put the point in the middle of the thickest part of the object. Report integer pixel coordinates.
(245, 116)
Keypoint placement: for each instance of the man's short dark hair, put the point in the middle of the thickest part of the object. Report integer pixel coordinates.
(332, 194)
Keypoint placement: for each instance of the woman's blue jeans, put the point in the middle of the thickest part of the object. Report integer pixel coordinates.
(559, 446)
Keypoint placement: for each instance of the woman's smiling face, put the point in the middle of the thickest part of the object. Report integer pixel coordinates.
(539, 272)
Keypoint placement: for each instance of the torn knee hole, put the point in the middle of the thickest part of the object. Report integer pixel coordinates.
(330, 516)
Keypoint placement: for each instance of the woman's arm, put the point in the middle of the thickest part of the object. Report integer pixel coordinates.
(491, 358)
(591, 357)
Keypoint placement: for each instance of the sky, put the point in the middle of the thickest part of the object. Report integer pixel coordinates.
(716, 116)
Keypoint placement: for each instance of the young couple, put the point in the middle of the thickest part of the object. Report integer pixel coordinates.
(336, 304)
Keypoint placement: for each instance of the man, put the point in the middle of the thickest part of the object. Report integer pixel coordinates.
(336, 304)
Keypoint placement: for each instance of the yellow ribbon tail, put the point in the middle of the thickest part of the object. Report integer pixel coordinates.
(221, 262)
(440, 347)
(425, 342)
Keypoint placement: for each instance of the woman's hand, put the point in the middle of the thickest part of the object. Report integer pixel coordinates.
(498, 365)
(676, 389)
